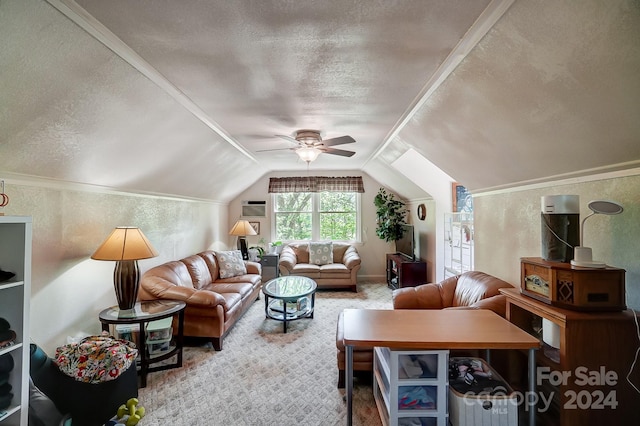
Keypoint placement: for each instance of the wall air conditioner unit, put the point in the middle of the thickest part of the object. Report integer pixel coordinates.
(254, 208)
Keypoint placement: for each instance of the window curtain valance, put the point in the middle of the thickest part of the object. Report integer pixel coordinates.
(316, 184)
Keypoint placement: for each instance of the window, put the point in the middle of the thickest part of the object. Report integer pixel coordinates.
(316, 216)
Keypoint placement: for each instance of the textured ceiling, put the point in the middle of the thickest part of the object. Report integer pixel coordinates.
(181, 97)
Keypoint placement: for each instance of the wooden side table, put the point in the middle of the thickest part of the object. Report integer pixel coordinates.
(404, 272)
(144, 312)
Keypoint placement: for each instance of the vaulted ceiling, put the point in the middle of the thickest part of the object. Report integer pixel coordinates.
(183, 97)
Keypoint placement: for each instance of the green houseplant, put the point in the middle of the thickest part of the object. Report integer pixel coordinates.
(391, 214)
(276, 246)
(260, 247)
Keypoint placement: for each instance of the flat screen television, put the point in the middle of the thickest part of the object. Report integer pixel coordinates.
(405, 245)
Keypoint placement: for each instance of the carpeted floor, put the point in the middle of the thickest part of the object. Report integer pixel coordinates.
(266, 377)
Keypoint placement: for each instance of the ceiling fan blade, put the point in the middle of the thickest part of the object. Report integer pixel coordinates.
(289, 138)
(276, 149)
(335, 151)
(338, 141)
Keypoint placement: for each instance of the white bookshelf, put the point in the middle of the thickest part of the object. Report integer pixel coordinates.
(15, 256)
(411, 385)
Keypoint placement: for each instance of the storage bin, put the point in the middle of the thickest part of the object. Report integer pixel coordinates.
(159, 330)
(159, 347)
(128, 332)
(478, 395)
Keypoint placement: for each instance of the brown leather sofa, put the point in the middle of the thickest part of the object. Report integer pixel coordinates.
(213, 304)
(470, 290)
(294, 260)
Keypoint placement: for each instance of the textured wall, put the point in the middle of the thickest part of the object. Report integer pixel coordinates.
(425, 236)
(69, 289)
(507, 227)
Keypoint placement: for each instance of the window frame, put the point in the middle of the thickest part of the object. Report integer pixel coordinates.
(315, 217)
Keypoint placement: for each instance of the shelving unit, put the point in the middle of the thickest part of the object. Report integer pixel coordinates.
(15, 256)
(411, 385)
(404, 272)
(588, 344)
(458, 253)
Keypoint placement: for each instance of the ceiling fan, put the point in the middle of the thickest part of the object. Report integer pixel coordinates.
(310, 144)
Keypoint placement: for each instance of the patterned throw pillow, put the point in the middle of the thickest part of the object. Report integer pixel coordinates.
(320, 253)
(230, 263)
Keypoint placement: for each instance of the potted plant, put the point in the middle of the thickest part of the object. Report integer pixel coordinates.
(259, 247)
(391, 214)
(276, 247)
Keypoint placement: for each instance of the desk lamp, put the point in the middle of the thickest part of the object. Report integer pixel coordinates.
(241, 229)
(582, 254)
(126, 245)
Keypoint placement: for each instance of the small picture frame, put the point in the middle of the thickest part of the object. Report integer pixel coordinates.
(255, 226)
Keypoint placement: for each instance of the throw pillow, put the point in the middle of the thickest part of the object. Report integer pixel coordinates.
(320, 253)
(230, 263)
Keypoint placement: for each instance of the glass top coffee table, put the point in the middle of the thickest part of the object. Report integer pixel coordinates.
(289, 298)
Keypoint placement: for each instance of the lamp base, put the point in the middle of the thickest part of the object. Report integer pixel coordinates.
(591, 264)
(584, 258)
(125, 282)
(242, 246)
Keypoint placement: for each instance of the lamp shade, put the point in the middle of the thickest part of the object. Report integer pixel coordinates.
(583, 255)
(125, 243)
(242, 228)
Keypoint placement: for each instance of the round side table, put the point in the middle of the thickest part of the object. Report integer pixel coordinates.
(144, 312)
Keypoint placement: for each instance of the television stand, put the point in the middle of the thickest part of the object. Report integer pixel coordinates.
(404, 272)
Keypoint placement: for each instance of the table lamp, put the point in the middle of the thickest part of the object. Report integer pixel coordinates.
(582, 255)
(241, 229)
(126, 245)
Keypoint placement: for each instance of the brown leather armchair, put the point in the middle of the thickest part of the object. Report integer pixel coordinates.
(470, 290)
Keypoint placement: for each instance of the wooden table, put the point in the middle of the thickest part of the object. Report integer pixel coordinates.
(434, 329)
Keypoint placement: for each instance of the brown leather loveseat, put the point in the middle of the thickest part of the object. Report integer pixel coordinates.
(340, 272)
(214, 304)
(470, 290)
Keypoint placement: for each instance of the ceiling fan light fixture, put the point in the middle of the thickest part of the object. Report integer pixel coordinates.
(308, 154)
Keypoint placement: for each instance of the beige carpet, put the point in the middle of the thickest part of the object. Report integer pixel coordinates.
(266, 377)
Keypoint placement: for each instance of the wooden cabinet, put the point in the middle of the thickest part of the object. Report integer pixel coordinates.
(411, 387)
(585, 375)
(404, 272)
(15, 293)
(570, 287)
